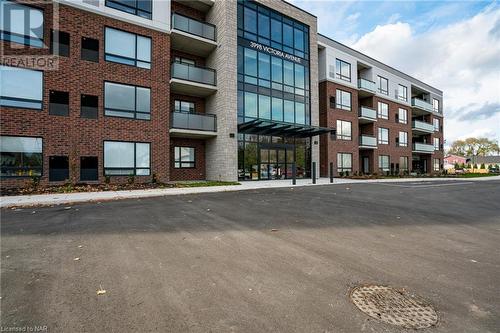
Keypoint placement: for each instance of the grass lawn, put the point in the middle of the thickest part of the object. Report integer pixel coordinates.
(204, 184)
(476, 175)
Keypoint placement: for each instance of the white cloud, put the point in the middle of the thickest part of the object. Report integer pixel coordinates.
(462, 59)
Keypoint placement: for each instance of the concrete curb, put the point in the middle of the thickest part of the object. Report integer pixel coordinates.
(69, 198)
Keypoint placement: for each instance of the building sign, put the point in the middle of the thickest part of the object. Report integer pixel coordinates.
(272, 51)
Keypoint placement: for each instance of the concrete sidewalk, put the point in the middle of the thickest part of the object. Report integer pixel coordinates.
(67, 198)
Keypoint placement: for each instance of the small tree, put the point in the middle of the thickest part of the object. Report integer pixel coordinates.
(475, 166)
(457, 166)
(462, 166)
(483, 166)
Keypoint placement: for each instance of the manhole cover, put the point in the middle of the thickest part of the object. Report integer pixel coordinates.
(394, 306)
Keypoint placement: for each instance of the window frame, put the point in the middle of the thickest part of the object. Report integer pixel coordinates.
(401, 97)
(135, 9)
(84, 38)
(52, 111)
(184, 101)
(81, 106)
(28, 40)
(438, 164)
(339, 64)
(434, 105)
(381, 158)
(438, 145)
(135, 159)
(338, 104)
(405, 158)
(42, 157)
(340, 158)
(26, 100)
(135, 102)
(438, 122)
(380, 90)
(135, 59)
(340, 135)
(380, 140)
(403, 120)
(380, 115)
(400, 142)
(180, 161)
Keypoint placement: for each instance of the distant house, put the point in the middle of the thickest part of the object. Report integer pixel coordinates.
(486, 160)
(450, 160)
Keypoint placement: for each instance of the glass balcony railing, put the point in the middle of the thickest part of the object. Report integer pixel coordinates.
(194, 121)
(423, 147)
(367, 85)
(421, 104)
(367, 112)
(192, 26)
(367, 141)
(423, 126)
(193, 73)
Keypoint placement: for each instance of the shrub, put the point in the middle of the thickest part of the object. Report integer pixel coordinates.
(469, 166)
(347, 173)
(107, 179)
(341, 173)
(154, 180)
(456, 166)
(483, 166)
(131, 179)
(475, 166)
(35, 181)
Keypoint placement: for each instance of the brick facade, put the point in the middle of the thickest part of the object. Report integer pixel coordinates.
(196, 173)
(74, 136)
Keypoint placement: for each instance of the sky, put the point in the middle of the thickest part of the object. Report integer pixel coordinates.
(451, 45)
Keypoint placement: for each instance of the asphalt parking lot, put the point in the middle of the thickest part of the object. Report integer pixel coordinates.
(274, 260)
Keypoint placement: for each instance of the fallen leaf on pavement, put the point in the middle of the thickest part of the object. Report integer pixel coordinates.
(76, 259)
(101, 291)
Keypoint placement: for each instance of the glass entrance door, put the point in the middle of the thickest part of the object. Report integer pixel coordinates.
(276, 163)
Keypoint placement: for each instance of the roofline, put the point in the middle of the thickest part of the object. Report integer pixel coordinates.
(302, 10)
(387, 67)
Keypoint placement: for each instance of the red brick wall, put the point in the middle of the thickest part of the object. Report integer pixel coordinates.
(178, 7)
(76, 136)
(196, 173)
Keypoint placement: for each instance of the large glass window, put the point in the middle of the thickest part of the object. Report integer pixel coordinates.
(21, 88)
(437, 143)
(383, 136)
(344, 162)
(403, 163)
(344, 130)
(383, 163)
(435, 123)
(342, 70)
(343, 100)
(184, 157)
(383, 85)
(20, 156)
(142, 8)
(403, 139)
(184, 106)
(127, 48)
(383, 110)
(21, 24)
(437, 164)
(126, 101)
(403, 116)
(126, 158)
(435, 105)
(402, 92)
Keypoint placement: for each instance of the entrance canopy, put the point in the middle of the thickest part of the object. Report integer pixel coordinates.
(276, 128)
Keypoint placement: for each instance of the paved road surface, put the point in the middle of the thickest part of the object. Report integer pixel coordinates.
(211, 262)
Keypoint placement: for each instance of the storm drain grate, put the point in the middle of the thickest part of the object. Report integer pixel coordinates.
(394, 306)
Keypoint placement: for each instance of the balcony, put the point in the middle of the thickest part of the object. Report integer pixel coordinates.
(421, 106)
(367, 142)
(193, 125)
(192, 80)
(422, 148)
(367, 115)
(200, 5)
(421, 128)
(366, 88)
(192, 36)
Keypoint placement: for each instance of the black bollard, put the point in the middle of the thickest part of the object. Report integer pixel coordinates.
(331, 172)
(314, 173)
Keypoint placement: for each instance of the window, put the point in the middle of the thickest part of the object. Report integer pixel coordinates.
(127, 101)
(344, 131)
(142, 8)
(185, 61)
(383, 136)
(383, 163)
(59, 43)
(332, 102)
(184, 157)
(403, 139)
(58, 168)
(343, 100)
(89, 168)
(21, 24)
(127, 48)
(344, 162)
(436, 164)
(342, 70)
(21, 88)
(435, 122)
(89, 106)
(402, 93)
(403, 163)
(436, 143)
(126, 158)
(90, 49)
(184, 106)
(59, 103)
(403, 116)
(20, 156)
(383, 85)
(435, 105)
(383, 110)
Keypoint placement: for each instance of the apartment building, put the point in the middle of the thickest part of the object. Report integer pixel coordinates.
(98, 91)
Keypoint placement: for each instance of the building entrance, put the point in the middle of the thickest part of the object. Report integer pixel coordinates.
(276, 162)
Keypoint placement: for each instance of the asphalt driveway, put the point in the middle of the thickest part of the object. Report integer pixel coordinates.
(274, 260)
